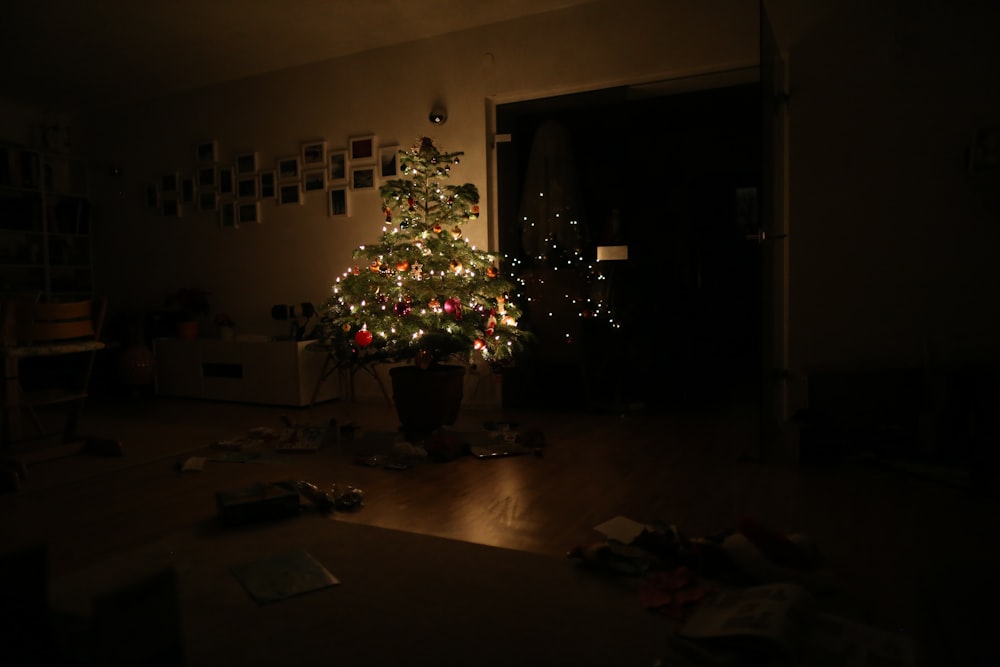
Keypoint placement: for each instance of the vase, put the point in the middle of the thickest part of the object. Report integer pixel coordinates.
(427, 399)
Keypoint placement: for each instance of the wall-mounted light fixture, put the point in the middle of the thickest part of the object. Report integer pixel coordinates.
(438, 114)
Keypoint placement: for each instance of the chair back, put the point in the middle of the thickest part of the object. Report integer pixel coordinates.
(39, 323)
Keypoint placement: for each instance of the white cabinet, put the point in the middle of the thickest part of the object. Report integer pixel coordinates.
(274, 372)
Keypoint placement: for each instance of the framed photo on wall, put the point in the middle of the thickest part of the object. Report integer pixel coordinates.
(187, 190)
(338, 166)
(170, 207)
(313, 153)
(247, 212)
(246, 163)
(363, 178)
(388, 162)
(207, 177)
(337, 202)
(207, 151)
(362, 148)
(288, 168)
(169, 183)
(227, 215)
(289, 193)
(227, 181)
(314, 179)
(246, 187)
(267, 181)
(208, 201)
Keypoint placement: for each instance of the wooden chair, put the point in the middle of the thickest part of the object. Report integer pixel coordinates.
(38, 339)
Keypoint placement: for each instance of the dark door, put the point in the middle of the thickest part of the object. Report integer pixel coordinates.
(667, 176)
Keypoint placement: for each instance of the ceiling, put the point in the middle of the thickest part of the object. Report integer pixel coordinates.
(67, 55)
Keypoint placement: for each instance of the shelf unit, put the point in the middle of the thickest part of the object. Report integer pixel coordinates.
(45, 225)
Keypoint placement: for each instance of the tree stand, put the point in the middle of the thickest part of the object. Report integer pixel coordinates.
(426, 399)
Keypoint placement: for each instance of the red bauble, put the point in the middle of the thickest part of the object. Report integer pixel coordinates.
(363, 338)
(454, 307)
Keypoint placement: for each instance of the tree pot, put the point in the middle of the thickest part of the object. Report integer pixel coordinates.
(427, 399)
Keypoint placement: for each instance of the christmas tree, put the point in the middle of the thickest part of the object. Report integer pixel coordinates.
(421, 292)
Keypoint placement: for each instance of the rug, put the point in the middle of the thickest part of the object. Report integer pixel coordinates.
(402, 598)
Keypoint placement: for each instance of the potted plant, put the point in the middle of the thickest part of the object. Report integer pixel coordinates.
(191, 305)
(226, 325)
(421, 296)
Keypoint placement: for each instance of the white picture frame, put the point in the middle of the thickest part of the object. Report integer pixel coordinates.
(313, 153)
(338, 202)
(247, 188)
(363, 178)
(266, 188)
(288, 168)
(362, 148)
(227, 215)
(337, 162)
(388, 162)
(247, 213)
(289, 193)
(246, 163)
(207, 151)
(314, 180)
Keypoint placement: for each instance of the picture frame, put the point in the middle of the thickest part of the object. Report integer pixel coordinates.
(313, 153)
(313, 180)
(207, 151)
(288, 168)
(388, 161)
(246, 188)
(187, 189)
(227, 215)
(289, 193)
(227, 180)
(207, 177)
(169, 183)
(267, 181)
(208, 200)
(246, 163)
(338, 202)
(362, 148)
(247, 213)
(170, 207)
(337, 162)
(362, 178)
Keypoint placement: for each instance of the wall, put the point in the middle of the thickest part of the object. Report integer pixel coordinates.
(296, 253)
(892, 240)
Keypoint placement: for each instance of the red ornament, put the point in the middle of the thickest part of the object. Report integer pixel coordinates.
(453, 307)
(363, 338)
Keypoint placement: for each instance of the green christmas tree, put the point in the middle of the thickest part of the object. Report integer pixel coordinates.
(421, 292)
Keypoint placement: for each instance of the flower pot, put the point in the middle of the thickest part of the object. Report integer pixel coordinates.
(188, 330)
(427, 399)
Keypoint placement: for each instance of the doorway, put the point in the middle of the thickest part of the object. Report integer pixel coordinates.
(672, 181)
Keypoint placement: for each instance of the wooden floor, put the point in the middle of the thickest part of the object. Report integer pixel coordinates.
(910, 553)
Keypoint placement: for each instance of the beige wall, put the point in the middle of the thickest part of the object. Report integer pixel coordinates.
(297, 252)
(893, 243)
